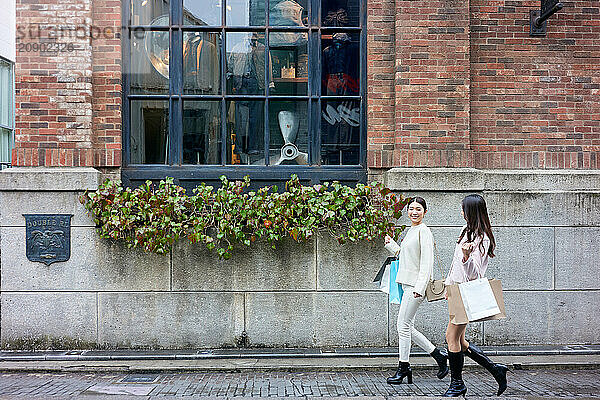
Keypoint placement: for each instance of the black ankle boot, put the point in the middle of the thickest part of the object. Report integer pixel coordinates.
(403, 371)
(457, 386)
(498, 371)
(442, 361)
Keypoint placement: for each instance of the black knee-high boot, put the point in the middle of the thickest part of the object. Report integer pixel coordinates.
(403, 371)
(442, 361)
(457, 386)
(498, 371)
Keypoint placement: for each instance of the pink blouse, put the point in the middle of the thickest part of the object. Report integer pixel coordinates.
(474, 267)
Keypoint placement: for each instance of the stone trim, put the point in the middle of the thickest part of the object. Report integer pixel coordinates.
(475, 180)
(49, 179)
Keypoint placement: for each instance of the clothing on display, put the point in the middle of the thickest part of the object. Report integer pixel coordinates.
(246, 69)
(340, 131)
(340, 118)
(201, 63)
(287, 13)
(201, 133)
(341, 67)
(246, 62)
(340, 12)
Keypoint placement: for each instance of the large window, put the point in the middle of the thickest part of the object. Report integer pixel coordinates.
(6, 112)
(260, 87)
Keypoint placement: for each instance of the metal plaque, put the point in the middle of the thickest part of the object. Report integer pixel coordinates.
(48, 237)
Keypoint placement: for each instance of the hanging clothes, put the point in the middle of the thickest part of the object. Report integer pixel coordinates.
(202, 64)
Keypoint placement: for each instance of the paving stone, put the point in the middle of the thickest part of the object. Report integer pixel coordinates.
(369, 385)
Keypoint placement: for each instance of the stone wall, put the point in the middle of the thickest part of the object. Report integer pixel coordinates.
(316, 294)
(547, 225)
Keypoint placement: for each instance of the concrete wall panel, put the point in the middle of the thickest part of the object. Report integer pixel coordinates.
(95, 264)
(48, 320)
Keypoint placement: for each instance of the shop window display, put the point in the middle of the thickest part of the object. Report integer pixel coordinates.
(231, 91)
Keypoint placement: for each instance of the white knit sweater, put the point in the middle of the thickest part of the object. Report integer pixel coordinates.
(415, 257)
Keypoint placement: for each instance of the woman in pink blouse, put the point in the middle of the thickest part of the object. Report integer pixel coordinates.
(475, 245)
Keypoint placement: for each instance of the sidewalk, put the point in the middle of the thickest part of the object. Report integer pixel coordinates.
(244, 360)
(253, 385)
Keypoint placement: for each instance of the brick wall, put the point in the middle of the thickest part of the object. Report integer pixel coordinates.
(67, 111)
(472, 88)
(380, 70)
(449, 84)
(432, 83)
(535, 101)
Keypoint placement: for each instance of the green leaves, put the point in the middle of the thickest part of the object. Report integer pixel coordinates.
(154, 217)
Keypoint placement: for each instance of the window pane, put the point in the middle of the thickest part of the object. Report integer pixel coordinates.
(6, 94)
(289, 65)
(201, 62)
(149, 62)
(149, 12)
(341, 64)
(5, 145)
(340, 12)
(245, 132)
(340, 132)
(288, 132)
(246, 63)
(149, 131)
(201, 132)
(288, 13)
(245, 12)
(202, 12)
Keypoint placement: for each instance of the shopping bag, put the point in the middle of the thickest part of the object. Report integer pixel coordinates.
(457, 310)
(478, 299)
(395, 288)
(386, 280)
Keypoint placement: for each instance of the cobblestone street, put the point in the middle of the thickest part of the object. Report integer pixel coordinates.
(535, 383)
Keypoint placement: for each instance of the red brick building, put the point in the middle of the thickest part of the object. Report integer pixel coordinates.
(436, 98)
(448, 84)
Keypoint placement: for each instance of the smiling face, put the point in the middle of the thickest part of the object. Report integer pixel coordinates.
(416, 212)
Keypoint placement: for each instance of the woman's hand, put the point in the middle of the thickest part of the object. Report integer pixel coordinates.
(466, 248)
(387, 239)
(417, 295)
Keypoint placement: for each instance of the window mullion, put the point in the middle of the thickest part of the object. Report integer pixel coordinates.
(125, 81)
(268, 66)
(175, 90)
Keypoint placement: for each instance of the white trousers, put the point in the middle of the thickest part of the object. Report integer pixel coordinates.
(406, 329)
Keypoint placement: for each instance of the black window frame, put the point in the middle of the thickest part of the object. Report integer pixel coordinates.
(191, 175)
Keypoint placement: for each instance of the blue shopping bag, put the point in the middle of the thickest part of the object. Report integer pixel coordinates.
(386, 280)
(395, 288)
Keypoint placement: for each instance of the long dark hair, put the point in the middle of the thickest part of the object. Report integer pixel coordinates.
(478, 222)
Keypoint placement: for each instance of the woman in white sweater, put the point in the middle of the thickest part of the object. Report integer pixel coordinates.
(415, 266)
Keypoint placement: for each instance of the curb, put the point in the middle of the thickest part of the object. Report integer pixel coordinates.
(315, 364)
(82, 355)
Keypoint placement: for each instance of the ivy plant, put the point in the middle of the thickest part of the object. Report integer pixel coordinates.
(153, 217)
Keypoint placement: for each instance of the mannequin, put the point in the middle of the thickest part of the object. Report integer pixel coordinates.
(246, 70)
(340, 67)
(340, 119)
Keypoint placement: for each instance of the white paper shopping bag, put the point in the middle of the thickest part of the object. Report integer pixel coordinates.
(478, 299)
